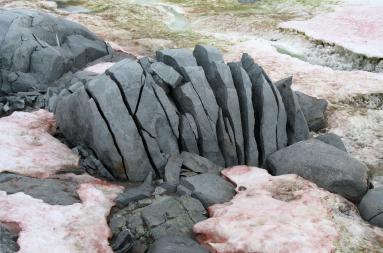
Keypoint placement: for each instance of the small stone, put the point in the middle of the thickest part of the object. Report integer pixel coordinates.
(333, 140)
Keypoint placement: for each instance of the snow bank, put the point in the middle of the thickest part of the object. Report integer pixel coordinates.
(284, 214)
(353, 26)
(28, 148)
(77, 228)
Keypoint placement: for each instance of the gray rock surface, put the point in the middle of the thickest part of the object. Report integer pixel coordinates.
(37, 48)
(199, 164)
(371, 207)
(79, 120)
(205, 55)
(297, 128)
(245, 94)
(176, 58)
(121, 125)
(173, 170)
(325, 165)
(314, 110)
(167, 74)
(176, 244)
(51, 191)
(188, 134)
(265, 107)
(150, 219)
(210, 189)
(8, 240)
(145, 190)
(187, 99)
(333, 140)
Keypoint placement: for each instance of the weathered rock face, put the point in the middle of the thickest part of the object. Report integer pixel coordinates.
(325, 165)
(264, 214)
(36, 49)
(313, 110)
(8, 240)
(176, 244)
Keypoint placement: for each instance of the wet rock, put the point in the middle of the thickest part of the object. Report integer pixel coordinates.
(176, 244)
(265, 107)
(199, 164)
(187, 99)
(38, 48)
(176, 58)
(297, 128)
(245, 94)
(324, 165)
(210, 189)
(167, 74)
(8, 240)
(371, 207)
(145, 190)
(51, 191)
(333, 140)
(123, 242)
(314, 110)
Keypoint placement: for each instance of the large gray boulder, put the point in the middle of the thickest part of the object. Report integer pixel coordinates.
(325, 165)
(371, 207)
(36, 49)
(314, 110)
(333, 140)
(176, 244)
(297, 128)
(210, 189)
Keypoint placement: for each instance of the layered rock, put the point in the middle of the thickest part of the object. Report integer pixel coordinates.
(284, 214)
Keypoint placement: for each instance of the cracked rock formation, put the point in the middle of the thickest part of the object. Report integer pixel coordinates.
(36, 49)
(143, 112)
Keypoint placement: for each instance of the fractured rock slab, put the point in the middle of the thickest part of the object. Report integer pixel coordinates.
(245, 94)
(314, 110)
(265, 107)
(176, 58)
(176, 244)
(297, 128)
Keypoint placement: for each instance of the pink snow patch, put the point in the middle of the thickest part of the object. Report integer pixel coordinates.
(270, 214)
(77, 228)
(28, 148)
(313, 80)
(99, 68)
(356, 28)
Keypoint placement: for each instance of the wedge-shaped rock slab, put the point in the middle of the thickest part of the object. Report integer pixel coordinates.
(245, 94)
(314, 110)
(221, 82)
(297, 128)
(284, 214)
(189, 102)
(325, 165)
(265, 107)
(176, 58)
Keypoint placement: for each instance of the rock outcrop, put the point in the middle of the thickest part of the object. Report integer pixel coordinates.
(36, 49)
(145, 112)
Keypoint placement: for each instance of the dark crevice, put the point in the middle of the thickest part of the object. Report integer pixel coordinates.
(136, 121)
(202, 103)
(109, 128)
(376, 215)
(143, 78)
